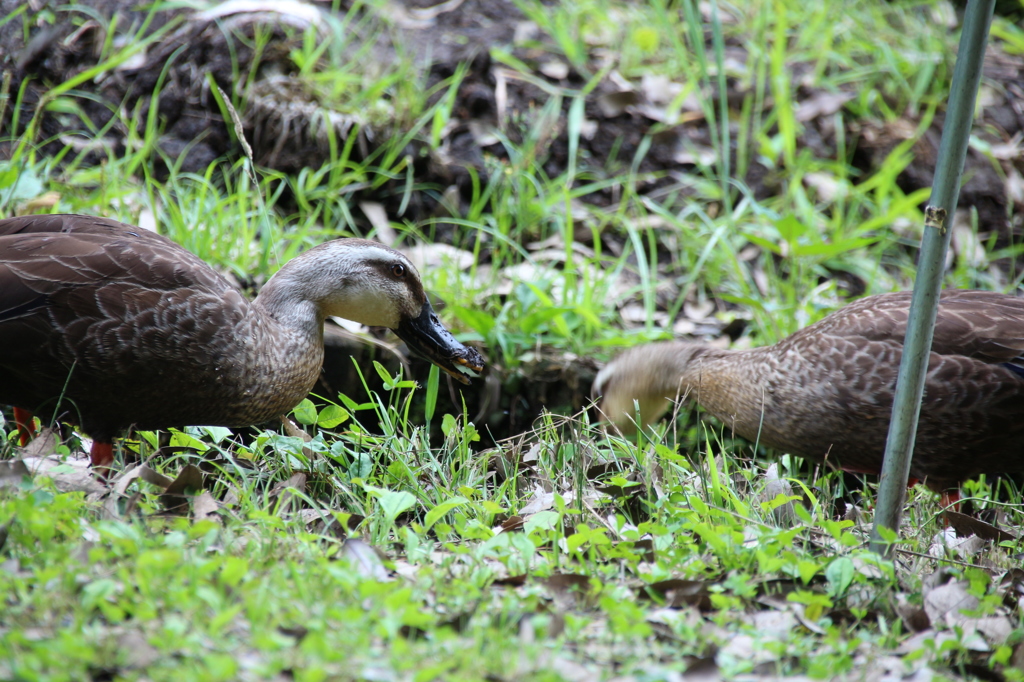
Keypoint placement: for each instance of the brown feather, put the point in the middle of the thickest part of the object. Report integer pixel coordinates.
(826, 392)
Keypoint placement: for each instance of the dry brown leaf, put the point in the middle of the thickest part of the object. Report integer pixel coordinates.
(378, 217)
(514, 522)
(635, 315)
(189, 480)
(154, 477)
(554, 69)
(337, 524)
(122, 482)
(966, 525)
(283, 490)
(919, 641)
(822, 104)
(1015, 186)
(67, 474)
(141, 471)
(12, 473)
(44, 201)
(949, 541)
(677, 593)
(292, 430)
(539, 501)
(118, 507)
(948, 599)
(137, 650)
(365, 559)
(774, 486)
(659, 89)
(702, 670)
(698, 310)
(825, 185)
(573, 590)
(800, 611)
(571, 671)
(612, 104)
(694, 154)
(231, 498)
(205, 508)
(684, 327)
(1011, 586)
(437, 255)
(42, 446)
(914, 617)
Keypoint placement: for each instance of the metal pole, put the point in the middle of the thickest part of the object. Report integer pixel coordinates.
(925, 302)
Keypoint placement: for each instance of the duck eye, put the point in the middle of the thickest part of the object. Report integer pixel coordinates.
(398, 270)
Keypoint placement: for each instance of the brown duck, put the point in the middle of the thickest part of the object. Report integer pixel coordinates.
(825, 393)
(109, 326)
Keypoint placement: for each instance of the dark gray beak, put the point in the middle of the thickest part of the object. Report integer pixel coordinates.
(426, 336)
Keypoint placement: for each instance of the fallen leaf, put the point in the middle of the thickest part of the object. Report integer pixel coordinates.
(67, 474)
(298, 14)
(950, 598)
(659, 89)
(138, 652)
(378, 217)
(612, 104)
(914, 617)
(571, 671)
(283, 490)
(539, 501)
(12, 473)
(573, 589)
(365, 559)
(204, 507)
(146, 473)
(677, 593)
(511, 581)
(189, 480)
(822, 104)
(514, 522)
(775, 486)
(438, 255)
(42, 446)
(966, 525)
(554, 69)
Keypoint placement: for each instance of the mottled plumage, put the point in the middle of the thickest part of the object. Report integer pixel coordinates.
(109, 325)
(826, 392)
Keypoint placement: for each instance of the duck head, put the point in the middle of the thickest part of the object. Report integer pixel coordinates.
(372, 284)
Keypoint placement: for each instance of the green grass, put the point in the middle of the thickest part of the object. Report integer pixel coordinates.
(482, 546)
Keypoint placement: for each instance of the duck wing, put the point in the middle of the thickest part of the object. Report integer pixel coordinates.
(984, 325)
(41, 255)
(88, 298)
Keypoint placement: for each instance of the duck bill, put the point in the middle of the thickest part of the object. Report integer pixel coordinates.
(426, 336)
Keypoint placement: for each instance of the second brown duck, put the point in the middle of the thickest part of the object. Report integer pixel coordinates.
(825, 393)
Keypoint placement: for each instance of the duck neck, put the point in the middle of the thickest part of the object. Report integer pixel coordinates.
(728, 384)
(687, 369)
(286, 301)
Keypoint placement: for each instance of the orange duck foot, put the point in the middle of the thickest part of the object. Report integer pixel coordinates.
(950, 500)
(26, 430)
(102, 457)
